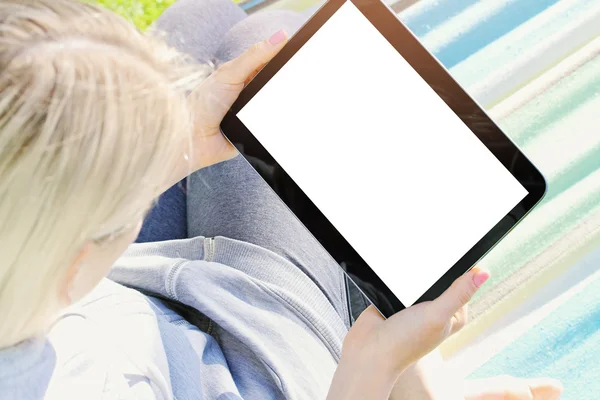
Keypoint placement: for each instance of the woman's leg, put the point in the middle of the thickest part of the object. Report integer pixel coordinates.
(168, 218)
(195, 27)
(256, 27)
(230, 199)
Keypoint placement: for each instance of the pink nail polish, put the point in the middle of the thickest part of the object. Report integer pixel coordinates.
(278, 37)
(480, 278)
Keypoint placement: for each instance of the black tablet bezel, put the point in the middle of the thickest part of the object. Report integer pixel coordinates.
(434, 73)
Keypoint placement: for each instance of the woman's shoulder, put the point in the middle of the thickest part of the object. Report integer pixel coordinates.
(98, 349)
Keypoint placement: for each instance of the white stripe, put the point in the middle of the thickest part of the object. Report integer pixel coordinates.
(515, 43)
(542, 221)
(421, 7)
(510, 77)
(546, 81)
(566, 140)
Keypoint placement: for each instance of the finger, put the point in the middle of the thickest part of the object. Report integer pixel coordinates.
(511, 388)
(368, 321)
(459, 320)
(253, 74)
(239, 69)
(460, 292)
(545, 388)
(370, 314)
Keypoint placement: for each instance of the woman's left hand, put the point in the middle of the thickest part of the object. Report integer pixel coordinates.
(213, 98)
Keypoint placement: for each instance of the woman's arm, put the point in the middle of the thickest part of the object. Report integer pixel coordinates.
(211, 101)
(377, 351)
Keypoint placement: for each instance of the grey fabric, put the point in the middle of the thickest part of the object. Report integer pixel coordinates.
(215, 31)
(26, 369)
(196, 27)
(256, 27)
(235, 202)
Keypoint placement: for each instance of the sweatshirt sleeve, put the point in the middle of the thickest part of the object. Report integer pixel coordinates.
(232, 200)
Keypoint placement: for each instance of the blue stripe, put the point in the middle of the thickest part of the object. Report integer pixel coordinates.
(486, 32)
(565, 345)
(248, 5)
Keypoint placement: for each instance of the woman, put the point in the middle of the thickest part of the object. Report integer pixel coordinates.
(96, 120)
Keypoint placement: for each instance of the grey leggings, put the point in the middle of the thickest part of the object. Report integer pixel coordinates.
(215, 31)
(241, 206)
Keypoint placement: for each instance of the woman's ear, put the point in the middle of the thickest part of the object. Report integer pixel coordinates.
(69, 281)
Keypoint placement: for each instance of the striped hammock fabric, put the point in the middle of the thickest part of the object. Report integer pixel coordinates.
(535, 66)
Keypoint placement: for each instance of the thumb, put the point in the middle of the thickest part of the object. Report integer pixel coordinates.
(460, 292)
(240, 69)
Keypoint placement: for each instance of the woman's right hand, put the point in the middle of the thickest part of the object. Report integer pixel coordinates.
(376, 351)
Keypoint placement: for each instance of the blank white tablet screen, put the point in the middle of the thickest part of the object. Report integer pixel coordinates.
(400, 176)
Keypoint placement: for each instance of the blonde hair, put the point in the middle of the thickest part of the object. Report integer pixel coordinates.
(93, 119)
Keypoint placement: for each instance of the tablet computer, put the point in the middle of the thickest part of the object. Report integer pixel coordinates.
(381, 154)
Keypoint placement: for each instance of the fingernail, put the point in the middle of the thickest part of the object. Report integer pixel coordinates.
(278, 37)
(480, 277)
